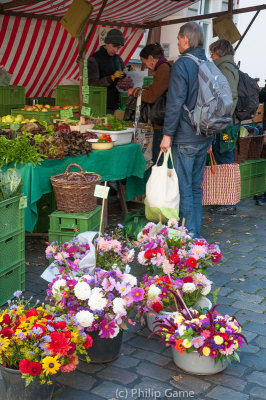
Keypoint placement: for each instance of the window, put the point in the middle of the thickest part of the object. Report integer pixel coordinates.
(166, 47)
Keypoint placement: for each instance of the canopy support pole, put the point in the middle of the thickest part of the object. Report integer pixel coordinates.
(246, 31)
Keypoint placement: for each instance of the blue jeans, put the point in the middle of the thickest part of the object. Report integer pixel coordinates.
(189, 162)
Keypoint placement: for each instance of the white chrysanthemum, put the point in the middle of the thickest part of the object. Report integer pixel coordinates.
(118, 305)
(188, 287)
(97, 292)
(154, 291)
(141, 259)
(82, 291)
(181, 329)
(58, 284)
(115, 333)
(97, 302)
(131, 279)
(85, 318)
(206, 290)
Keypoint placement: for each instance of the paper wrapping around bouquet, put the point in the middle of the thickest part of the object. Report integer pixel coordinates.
(222, 187)
(76, 17)
(224, 28)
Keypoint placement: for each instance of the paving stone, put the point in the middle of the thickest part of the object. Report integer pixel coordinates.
(247, 315)
(224, 291)
(74, 394)
(76, 380)
(226, 301)
(227, 380)
(262, 353)
(258, 392)
(259, 271)
(252, 349)
(111, 373)
(257, 377)
(145, 344)
(249, 335)
(191, 384)
(249, 286)
(257, 308)
(109, 390)
(256, 327)
(253, 361)
(245, 297)
(261, 292)
(236, 369)
(125, 362)
(154, 371)
(89, 368)
(152, 357)
(221, 393)
(221, 279)
(261, 341)
(126, 349)
(229, 269)
(151, 388)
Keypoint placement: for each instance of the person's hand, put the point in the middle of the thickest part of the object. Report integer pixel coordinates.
(118, 75)
(130, 91)
(166, 143)
(209, 149)
(130, 68)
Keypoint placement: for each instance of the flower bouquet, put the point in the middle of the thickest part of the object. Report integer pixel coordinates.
(99, 302)
(212, 335)
(184, 254)
(37, 342)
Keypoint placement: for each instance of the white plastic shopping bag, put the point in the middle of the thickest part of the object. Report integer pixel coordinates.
(162, 192)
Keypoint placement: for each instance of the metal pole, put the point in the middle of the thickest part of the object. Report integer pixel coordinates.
(246, 31)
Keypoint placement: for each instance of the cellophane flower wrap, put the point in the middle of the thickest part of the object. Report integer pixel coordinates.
(39, 343)
(114, 250)
(158, 292)
(67, 256)
(211, 335)
(184, 254)
(99, 302)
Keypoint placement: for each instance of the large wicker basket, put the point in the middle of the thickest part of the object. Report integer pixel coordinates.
(74, 191)
(255, 147)
(241, 150)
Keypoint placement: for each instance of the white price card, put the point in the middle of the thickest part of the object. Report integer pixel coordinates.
(101, 191)
(22, 202)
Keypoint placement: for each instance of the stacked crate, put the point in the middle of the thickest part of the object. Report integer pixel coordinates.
(94, 98)
(65, 226)
(12, 248)
(11, 97)
(253, 177)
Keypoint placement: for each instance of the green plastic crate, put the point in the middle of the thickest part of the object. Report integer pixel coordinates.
(11, 280)
(45, 206)
(41, 100)
(10, 95)
(67, 95)
(97, 100)
(6, 109)
(62, 222)
(40, 116)
(12, 249)
(253, 177)
(147, 81)
(11, 217)
(252, 168)
(61, 237)
(123, 98)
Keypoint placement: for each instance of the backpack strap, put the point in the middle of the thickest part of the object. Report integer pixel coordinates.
(197, 60)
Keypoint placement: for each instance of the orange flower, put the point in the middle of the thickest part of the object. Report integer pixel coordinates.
(179, 346)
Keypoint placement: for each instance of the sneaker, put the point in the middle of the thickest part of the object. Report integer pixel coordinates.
(224, 210)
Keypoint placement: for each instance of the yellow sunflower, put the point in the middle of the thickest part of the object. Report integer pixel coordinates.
(50, 365)
(4, 343)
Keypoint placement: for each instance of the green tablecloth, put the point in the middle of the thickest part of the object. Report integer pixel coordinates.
(115, 164)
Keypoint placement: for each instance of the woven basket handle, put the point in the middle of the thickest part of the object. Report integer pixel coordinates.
(70, 174)
(213, 162)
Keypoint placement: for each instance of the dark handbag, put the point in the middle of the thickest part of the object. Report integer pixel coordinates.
(158, 110)
(130, 111)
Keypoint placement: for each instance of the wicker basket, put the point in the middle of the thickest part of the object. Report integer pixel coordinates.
(241, 151)
(74, 191)
(255, 147)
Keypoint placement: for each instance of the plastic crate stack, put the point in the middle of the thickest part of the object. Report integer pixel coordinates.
(253, 177)
(65, 226)
(12, 248)
(11, 97)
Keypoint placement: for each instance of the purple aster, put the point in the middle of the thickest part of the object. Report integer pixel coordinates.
(110, 296)
(107, 328)
(112, 274)
(198, 341)
(214, 353)
(50, 328)
(164, 293)
(100, 313)
(17, 293)
(120, 226)
(47, 339)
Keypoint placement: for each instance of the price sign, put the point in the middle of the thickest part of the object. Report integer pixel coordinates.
(172, 233)
(86, 111)
(157, 229)
(22, 202)
(68, 113)
(85, 89)
(85, 98)
(85, 80)
(101, 191)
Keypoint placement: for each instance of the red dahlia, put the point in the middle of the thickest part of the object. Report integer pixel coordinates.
(157, 307)
(6, 319)
(59, 344)
(24, 366)
(188, 279)
(191, 262)
(34, 368)
(88, 342)
(174, 259)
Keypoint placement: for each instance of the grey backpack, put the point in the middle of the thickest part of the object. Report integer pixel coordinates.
(212, 112)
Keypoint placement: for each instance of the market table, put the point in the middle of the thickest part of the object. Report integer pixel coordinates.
(115, 164)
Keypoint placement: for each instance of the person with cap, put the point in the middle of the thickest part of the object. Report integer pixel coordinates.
(105, 67)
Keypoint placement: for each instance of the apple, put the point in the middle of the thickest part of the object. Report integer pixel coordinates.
(76, 106)
(57, 107)
(44, 110)
(65, 107)
(28, 108)
(47, 106)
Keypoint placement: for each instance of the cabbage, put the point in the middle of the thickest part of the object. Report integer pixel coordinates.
(10, 183)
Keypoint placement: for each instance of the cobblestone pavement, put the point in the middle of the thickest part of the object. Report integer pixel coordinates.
(145, 369)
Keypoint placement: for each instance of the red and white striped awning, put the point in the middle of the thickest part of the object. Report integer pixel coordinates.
(40, 53)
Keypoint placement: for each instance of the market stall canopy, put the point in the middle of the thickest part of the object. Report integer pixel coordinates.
(40, 54)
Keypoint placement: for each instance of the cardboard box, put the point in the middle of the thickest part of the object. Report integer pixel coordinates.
(259, 114)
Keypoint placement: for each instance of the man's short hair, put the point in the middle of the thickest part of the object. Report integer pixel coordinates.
(222, 48)
(194, 33)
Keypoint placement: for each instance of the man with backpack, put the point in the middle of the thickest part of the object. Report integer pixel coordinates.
(222, 54)
(189, 149)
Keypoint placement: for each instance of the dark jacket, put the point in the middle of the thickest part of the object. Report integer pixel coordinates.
(183, 89)
(100, 68)
(228, 68)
